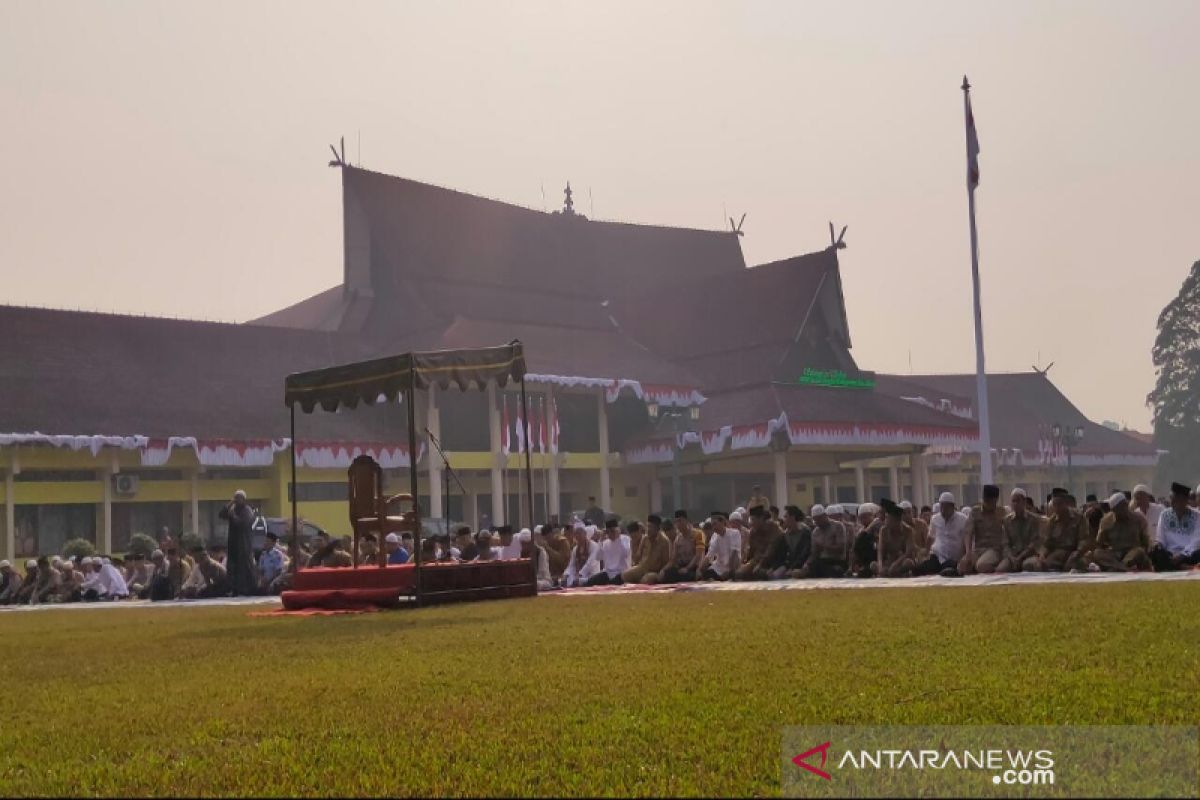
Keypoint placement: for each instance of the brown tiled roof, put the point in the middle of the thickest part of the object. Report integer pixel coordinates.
(1021, 407)
(68, 372)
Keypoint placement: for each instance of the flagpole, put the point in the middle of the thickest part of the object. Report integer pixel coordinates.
(985, 437)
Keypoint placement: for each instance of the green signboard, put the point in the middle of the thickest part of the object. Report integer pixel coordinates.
(835, 378)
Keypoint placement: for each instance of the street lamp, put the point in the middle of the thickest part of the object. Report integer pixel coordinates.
(677, 417)
(1067, 437)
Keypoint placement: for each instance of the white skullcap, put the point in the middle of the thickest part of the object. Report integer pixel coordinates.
(525, 531)
(736, 516)
(946, 497)
(525, 535)
(158, 554)
(835, 509)
(1141, 487)
(31, 564)
(4, 564)
(1116, 499)
(817, 511)
(1018, 492)
(86, 560)
(392, 538)
(56, 560)
(240, 493)
(105, 561)
(740, 510)
(907, 506)
(579, 526)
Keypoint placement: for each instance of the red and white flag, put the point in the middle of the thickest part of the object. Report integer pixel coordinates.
(520, 430)
(972, 148)
(541, 426)
(553, 425)
(504, 424)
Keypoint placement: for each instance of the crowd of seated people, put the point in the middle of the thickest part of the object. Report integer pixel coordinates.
(1128, 531)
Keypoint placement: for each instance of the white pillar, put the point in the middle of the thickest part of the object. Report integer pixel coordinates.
(919, 492)
(433, 421)
(656, 501)
(781, 479)
(104, 540)
(553, 487)
(827, 486)
(498, 458)
(471, 516)
(194, 491)
(605, 485)
(860, 483)
(10, 515)
(894, 483)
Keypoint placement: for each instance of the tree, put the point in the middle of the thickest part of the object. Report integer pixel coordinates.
(1176, 396)
(79, 548)
(142, 545)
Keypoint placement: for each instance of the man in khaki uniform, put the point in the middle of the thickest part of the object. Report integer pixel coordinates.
(763, 533)
(653, 556)
(1023, 529)
(894, 545)
(1066, 539)
(985, 539)
(920, 529)
(1123, 541)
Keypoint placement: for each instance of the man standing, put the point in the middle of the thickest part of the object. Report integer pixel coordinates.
(790, 551)
(830, 556)
(1177, 543)
(984, 540)
(1123, 539)
(1022, 529)
(594, 515)
(1066, 538)
(947, 528)
(757, 498)
(239, 559)
(653, 556)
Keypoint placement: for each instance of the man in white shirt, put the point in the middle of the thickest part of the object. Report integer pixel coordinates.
(105, 582)
(724, 554)
(1143, 503)
(1177, 541)
(510, 546)
(614, 555)
(946, 528)
(583, 562)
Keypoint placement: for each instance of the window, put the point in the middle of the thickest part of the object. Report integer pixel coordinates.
(324, 492)
(631, 491)
(44, 529)
(55, 475)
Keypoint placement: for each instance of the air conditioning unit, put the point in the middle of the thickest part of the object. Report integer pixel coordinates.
(125, 484)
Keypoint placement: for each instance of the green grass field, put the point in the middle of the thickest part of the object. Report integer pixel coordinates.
(634, 694)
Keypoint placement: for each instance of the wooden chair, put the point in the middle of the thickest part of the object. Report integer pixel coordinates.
(369, 508)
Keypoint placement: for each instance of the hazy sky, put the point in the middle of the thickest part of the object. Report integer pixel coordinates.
(169, 158)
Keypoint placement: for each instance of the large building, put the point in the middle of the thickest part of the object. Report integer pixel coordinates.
(643, 392)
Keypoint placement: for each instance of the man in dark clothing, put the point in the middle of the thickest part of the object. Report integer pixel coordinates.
(790, 551)
(594, 514)
(239, 559)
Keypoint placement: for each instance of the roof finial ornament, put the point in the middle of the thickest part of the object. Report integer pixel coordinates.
(568, 203)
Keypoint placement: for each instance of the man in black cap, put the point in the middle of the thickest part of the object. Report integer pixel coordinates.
(1177, 541)
(1066, 539)
(985, 539)
(894, 544)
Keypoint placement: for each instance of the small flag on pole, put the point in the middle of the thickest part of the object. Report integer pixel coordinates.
(972, 147)
(504, 427)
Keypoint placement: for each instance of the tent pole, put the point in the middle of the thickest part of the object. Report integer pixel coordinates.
(528, 479)
(410, 398)
(295, 545)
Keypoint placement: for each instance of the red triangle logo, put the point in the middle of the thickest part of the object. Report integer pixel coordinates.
(802, 760)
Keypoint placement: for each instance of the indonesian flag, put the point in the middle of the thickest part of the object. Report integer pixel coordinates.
(972, 144)
(542, 442)
(554, 425)
(520, 431)
(504, 424)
